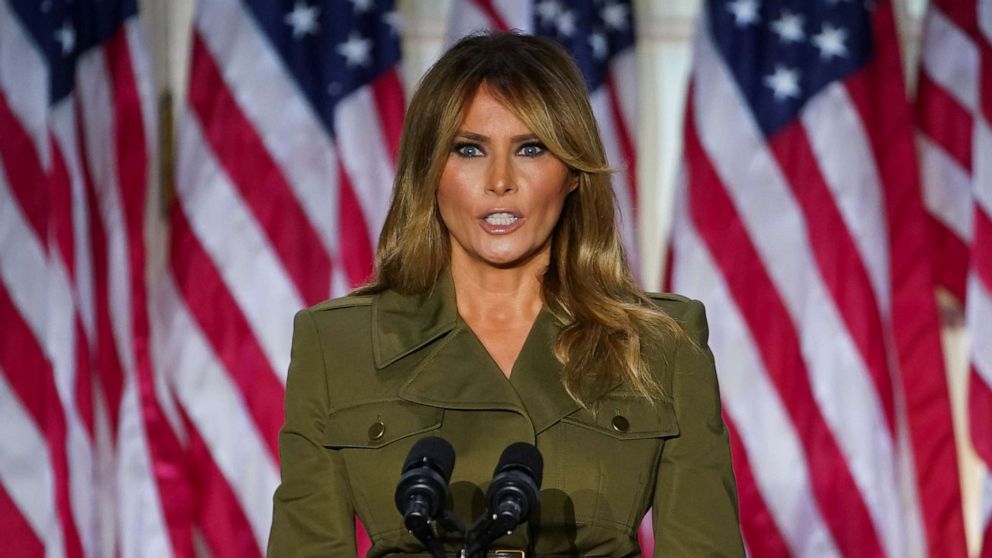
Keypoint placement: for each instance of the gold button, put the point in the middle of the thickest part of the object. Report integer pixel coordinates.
(377, 430)
(620, 424)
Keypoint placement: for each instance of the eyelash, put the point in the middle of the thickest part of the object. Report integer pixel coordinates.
(459, 149)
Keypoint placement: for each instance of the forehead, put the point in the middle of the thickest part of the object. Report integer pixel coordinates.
(487, 115)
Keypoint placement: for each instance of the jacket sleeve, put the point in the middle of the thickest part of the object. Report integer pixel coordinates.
(695, 503)
(313, 513)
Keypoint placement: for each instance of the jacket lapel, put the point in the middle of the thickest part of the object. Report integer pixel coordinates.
(457, 372)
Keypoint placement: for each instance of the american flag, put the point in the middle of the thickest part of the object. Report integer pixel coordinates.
(600, 36)
(85, 458)
(800, 224)
(286, 159)
(954, 109)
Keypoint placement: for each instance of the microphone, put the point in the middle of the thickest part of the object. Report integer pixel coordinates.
(514, 492)
(422, 492)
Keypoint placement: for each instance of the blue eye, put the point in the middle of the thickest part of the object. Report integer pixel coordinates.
(531, 150)
(468, 150)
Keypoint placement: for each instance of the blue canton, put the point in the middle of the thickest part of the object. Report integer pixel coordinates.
(64, 29)
(330, 47)
(593, 31)
(782, 53)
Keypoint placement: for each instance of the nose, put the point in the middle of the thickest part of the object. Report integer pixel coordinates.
(501, 180)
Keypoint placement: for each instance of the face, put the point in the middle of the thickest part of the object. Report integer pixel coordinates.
(501, 190)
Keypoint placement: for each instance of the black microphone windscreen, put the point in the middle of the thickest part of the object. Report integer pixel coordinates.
(521, 455)
(434, 450)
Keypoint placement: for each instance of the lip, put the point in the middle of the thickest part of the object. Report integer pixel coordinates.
(501, 229)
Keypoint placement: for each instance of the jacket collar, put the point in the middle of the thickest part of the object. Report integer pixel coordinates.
(458, 372)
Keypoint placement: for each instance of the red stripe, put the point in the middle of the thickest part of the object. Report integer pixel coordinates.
(837, 258)
(362, 541)
(876, 92)
(495, 18)
(980, 415)
(944, 121)
(31, 377)
(227, 330)
(131, 152)
(624, 139)
(951, 256)
(19, 539)
(219, 514)
(985, 79)
(388, 93)
(986, 548)
(83, 381)
(981, 251)
(725, 234)
(60, 206)
(761, 534)
(356, 250)
(265, 190)
(25, 173)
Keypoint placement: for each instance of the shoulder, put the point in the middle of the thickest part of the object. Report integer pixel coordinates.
(341, 314)
(687, 312)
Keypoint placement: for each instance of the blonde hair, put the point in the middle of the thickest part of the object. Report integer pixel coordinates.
(588, 286)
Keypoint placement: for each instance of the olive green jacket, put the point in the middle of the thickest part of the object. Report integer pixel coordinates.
(371, 375)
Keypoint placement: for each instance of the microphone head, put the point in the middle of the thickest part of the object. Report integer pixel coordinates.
(521, 455)
(434, 452)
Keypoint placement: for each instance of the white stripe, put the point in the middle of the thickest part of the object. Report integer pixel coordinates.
(143, 82)
(979, 320)
(231, 236)
(838, 139)
(777, 460)
(982, 165)
(25, 470)
(517, 14)
(465, 19)
(839, 378)
(623, 72)
(626, 219)
(365, 156)
(24, 79)
(985, 20)
(950, 58)
(293, 135)
(946, 188)
(221, 419)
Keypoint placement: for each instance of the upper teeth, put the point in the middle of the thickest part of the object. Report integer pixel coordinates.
(501, 219)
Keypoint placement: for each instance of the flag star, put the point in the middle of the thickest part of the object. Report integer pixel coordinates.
(548, 10)
(615, 16)
(362, 6)
(830, 41)
(565, 23)
(66, 36)
(745, 12)
(394, 20)
(356, 50)
(784, 82)
(600, 48)
(303, 19)
(789, 27)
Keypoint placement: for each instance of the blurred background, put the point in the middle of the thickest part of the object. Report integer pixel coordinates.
(178, 178)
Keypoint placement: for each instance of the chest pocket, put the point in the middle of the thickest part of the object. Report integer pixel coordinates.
(374, 424)
(610, 457)
(374, 438)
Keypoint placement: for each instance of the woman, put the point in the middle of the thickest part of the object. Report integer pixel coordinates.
(502, 311)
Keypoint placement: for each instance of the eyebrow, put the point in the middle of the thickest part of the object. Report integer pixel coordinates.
(483, 138)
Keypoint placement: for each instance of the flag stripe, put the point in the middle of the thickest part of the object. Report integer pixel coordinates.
(25, 175)
(723, 233)
(389, 107)
(942, 120)
(357, 255)
(258, 179)
(622, 137)
(224, 325)
(19, 539)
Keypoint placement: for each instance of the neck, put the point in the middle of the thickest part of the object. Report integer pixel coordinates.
(490, 294)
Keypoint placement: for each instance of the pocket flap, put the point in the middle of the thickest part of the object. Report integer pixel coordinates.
(373, 424)
(628, 417)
